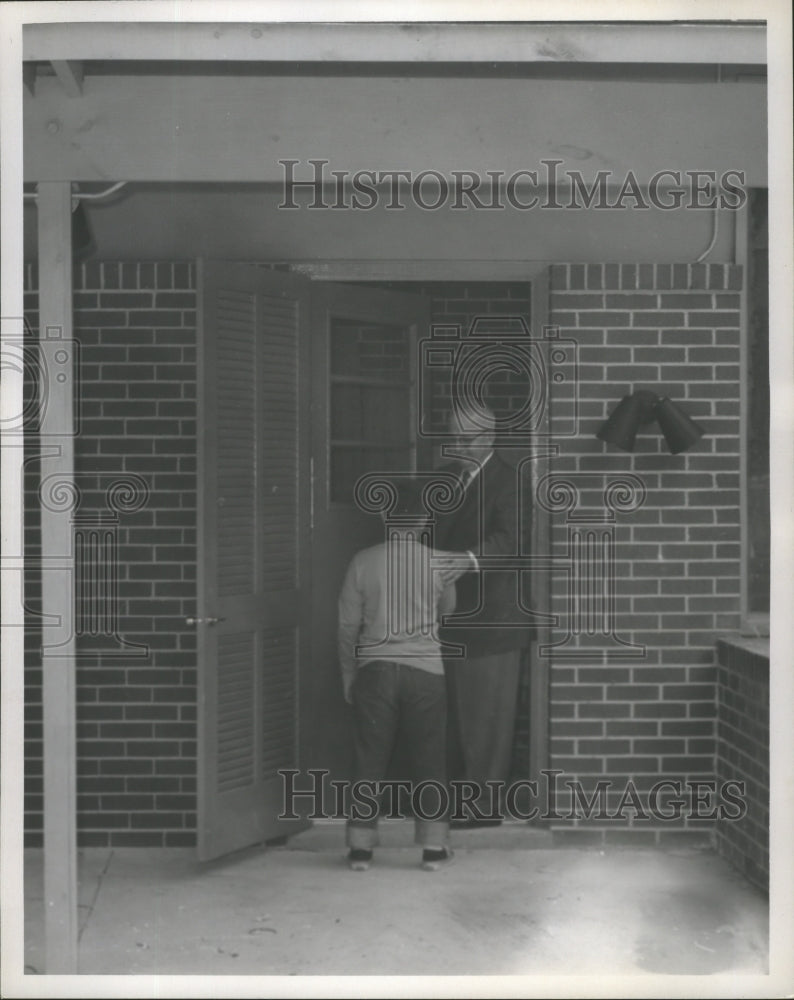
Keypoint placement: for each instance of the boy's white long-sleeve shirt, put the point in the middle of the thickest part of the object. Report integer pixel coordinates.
(389, 608)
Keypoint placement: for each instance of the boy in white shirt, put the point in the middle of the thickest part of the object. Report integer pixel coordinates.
(392, 671)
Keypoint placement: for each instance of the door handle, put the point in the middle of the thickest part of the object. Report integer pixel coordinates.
(203, 621)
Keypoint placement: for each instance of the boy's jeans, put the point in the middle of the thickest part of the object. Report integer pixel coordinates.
(395, 701)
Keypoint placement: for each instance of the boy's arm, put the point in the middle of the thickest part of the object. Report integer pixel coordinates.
(351, 611)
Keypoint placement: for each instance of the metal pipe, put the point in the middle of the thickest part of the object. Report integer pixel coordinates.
(86, 195)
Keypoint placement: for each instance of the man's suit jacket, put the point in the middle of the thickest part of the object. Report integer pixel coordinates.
(487, 523)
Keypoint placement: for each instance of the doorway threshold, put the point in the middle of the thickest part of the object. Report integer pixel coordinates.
(328, 834)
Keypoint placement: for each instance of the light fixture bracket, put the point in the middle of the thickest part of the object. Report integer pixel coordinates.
(648, 401)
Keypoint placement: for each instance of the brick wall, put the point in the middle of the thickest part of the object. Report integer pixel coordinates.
(673, 329)
(136, 328)
(743, 752)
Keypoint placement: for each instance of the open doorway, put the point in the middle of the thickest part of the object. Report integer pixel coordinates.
(455, 308)
(306, 386)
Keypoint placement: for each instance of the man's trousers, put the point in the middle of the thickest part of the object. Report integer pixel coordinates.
(482, 692)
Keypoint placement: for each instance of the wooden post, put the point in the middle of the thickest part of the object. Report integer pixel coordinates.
(58, 642)
(539, 667)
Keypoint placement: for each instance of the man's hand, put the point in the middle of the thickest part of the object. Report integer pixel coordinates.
(452, 565)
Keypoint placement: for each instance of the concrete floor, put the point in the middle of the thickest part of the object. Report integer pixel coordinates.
(511, 904)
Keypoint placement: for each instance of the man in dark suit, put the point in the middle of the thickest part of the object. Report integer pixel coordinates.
(482, 685)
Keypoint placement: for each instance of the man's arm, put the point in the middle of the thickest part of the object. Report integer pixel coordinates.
(499, 533)
(446, 601)
(500, 536)
(351, 616)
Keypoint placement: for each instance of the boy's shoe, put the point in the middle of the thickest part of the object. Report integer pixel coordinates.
(358, 859)
(433, 859)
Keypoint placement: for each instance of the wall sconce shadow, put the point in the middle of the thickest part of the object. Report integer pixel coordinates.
(644, 407)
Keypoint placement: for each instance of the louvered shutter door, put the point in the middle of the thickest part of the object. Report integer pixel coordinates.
(251, 511)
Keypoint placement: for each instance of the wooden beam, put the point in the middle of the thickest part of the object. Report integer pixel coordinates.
(54, 204)
(410, 42)
(70, 74)
(418, 270)
(227, 129)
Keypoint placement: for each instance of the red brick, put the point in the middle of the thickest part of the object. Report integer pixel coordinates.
(686, 300)
(631, 337)
(100, 318)
(687, 336)
(603, 746)
(574, 301)
(689, 764)
(180, 839)
(574, 692)
(102, 820)
(578, 728)
(631, 301)
(632, 692)
(603, 710)
(617, 727)
(715, 318)
(604, 319)
(669, 357)
(123, 300)
(659, 319)
(661, 675)
(659, 746)
(592, 675)
(659, 710)
(632, 764)
(640, 373)
(579, 765)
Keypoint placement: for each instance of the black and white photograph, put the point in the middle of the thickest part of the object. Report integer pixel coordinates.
(397, 406)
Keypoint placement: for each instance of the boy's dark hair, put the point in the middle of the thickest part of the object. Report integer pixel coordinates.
(409, 496)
